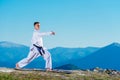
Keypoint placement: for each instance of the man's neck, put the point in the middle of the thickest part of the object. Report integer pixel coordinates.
(36, 30)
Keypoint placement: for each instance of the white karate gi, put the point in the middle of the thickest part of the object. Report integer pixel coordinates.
(34, 53)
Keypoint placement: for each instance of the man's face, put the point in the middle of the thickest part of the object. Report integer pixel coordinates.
(37, 26)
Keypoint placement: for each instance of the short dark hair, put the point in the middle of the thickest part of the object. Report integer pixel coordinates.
(36, 23)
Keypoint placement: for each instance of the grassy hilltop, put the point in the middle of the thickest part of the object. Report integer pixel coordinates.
(11, 74)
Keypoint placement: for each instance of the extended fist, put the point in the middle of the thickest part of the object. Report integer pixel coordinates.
(53, 33)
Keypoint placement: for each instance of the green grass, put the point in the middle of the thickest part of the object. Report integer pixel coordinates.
(36, 75)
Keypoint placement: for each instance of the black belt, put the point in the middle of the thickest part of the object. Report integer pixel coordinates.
(40, 49)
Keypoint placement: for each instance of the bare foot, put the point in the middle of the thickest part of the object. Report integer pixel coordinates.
(48, 69)
(17, 66)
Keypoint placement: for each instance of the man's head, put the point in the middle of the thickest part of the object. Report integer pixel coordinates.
(37, 25)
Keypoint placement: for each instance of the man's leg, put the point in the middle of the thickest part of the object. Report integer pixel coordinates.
(31, 56)
(47, 58)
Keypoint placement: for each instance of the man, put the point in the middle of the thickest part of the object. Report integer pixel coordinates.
(37, 49)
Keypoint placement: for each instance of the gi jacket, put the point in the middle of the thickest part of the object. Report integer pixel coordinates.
(37, 38)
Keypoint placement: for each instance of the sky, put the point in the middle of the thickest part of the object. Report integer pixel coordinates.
(77, 23)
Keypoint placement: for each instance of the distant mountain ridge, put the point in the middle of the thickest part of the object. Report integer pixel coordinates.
(84, 58)
(62, 56)
(12, 53)
(10, 44)
(106, 57)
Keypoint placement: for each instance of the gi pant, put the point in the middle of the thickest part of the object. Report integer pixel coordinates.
(34, 53)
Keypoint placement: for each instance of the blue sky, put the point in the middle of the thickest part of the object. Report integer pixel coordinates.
(77, 23)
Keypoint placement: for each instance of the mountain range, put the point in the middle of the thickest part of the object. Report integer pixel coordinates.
(84, 58)
(107, 57)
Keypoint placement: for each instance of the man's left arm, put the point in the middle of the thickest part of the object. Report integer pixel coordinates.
(47, 33)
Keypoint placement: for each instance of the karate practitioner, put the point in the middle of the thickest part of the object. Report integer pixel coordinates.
(37, 49)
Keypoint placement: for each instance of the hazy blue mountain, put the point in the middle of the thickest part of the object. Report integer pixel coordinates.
(68, 67)
(106, 57)
(10, 53)
(85, 58)
(61, 55)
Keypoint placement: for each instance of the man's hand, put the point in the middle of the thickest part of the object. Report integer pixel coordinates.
(52, 33)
